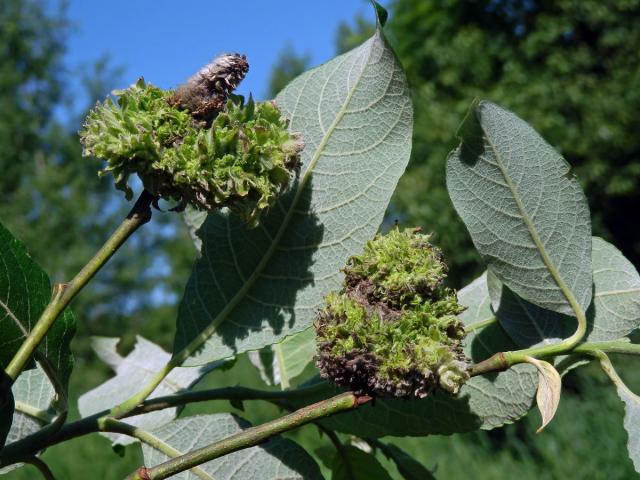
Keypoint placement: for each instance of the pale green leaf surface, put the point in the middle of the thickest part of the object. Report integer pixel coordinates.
(24, 293)
(293, 354)
(613, 314)
(33, 395)
(276, 459)
(251, 288)
(526, 213)
(617, 293)
(133, 371)
(632, 424)
(264, 360)
(287, 359)
(475, 297)
(484, 402)
(631, 410)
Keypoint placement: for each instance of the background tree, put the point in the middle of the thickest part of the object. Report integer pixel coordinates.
(288, 66)
(52, 198)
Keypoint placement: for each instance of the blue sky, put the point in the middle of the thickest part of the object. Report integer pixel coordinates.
(166, 41)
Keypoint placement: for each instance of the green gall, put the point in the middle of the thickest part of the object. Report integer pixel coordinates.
(391, 331)
(403, 266)
(242, 160)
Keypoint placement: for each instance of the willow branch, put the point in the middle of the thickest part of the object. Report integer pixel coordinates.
(251, 436)
(63, 294)
(32, 444)
(503, 360)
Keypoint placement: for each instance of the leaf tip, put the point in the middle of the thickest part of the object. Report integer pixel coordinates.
(381, 13)
(470, 134)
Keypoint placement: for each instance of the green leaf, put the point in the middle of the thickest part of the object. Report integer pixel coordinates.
(381, 13)
(355, 464)
(475, 297)
(132, 371)
(484, 402)
(277, 458)
(409, 467)
(613, 314)
(287, 359)
(25, 291)
(265, 361)
(293, 354)
(616, 300)
(252, 288)
(526, 213)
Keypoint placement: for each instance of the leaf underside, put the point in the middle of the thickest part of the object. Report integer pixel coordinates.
(251, 288)
(631, 410)
(34, 395)
(613, 314)
(526, 213)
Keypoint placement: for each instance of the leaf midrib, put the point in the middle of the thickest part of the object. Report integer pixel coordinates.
(13, 317)
(555, 274)
(210, 329)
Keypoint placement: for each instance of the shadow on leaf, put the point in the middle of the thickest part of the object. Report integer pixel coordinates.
(247, 283)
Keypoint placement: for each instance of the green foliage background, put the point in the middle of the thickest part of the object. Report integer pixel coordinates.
(570, 68)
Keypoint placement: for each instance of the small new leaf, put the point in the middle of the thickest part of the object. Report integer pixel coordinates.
(549, 387)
